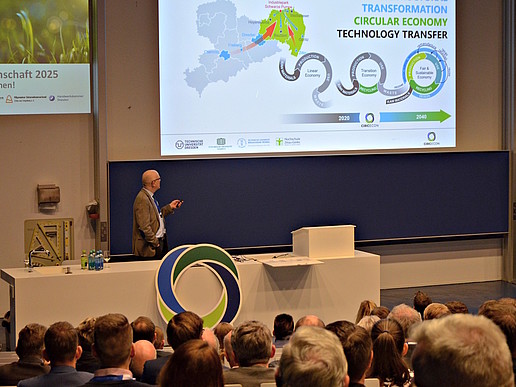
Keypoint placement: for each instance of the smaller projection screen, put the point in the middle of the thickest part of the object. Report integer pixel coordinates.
(271, 76)
(44, 57)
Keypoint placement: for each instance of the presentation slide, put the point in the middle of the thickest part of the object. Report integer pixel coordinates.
(276, 76)
(44, 57)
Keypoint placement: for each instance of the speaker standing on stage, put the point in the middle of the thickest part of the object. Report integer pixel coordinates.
(149, 234)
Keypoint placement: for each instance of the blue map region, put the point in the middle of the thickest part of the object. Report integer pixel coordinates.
(232, 39)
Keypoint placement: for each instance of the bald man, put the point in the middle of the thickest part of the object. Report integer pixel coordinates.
(149, 234)
(143, 350)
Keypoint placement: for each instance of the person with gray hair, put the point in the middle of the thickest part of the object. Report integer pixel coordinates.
(461, 350)
(313, 357)
(408, 317)
(252, 345)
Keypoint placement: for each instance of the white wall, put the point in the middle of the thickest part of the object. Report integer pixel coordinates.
(437, 263)
(42, 150)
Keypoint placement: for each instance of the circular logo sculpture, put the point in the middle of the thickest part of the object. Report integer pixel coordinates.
(180, 259)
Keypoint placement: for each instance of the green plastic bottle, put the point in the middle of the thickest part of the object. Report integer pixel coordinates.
(84, 260)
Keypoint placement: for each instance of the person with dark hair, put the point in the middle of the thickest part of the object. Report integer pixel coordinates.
(380, 311)
(193, 364)
(221, 330)
(182, 327)
(159, 340)
(143, 329)
(341, 328)
(457, 307)
(283, 329)
(503, 314)
(62, 349)
(87, 361)
(389, 347)
(252, 345)
(309, 320)
(364, 309)
(30, 352)
(358, 348)
(113, 346)
(421, 301)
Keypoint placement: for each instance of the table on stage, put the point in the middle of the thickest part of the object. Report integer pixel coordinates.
(332, 290)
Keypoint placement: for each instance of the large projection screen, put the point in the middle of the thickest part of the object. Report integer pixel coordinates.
(270, 76)
(44, 57)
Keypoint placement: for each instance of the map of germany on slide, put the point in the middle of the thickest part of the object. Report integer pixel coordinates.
(239, 41)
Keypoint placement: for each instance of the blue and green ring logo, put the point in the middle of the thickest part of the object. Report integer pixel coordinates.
(212, 257)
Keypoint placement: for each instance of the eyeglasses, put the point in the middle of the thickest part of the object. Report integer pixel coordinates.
(158, 179)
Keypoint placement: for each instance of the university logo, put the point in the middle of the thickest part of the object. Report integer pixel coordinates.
(219, 262)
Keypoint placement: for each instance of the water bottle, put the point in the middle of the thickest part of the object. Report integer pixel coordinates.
(101, 260)
(97, 260)
(91, 260)
(84, 260)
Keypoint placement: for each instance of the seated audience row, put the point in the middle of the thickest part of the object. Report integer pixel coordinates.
(450, 347)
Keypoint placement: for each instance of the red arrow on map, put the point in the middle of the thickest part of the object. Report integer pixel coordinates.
(269, 31)
(291, 33)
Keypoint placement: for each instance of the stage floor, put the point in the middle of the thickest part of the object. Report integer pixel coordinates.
(472, 294)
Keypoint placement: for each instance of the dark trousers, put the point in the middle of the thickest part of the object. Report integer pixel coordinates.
(162, 249)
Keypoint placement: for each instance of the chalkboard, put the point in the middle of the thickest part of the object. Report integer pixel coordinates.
(258, 202)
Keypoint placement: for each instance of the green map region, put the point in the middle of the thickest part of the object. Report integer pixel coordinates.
(286, 26)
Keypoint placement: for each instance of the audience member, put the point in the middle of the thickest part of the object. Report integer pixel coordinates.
(159, 343)
(221, 330)
(193, 364)
(310, 320)
(436, 310)
(143, 350)
(461, 350)
(313, 357)
(283, 329)
(507, 300)
(182, 327)
(364, 309)
(389, 347)
(252, 345)
(421, 301)
(30, 352)
(358, 349)
(457, 307)
(341, 328)
(228, 350)
(113, 346)
(143, 329)
(87, 361)
(367, 322)
(408, 318)
(380, 311)
(208, 335)
(503, 314)
(62, 350)
(484, 305)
